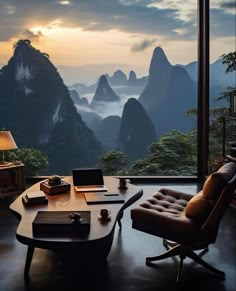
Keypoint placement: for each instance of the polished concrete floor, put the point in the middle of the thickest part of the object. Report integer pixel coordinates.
(125, 268)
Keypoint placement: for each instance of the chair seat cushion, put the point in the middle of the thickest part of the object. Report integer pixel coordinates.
(163, 215)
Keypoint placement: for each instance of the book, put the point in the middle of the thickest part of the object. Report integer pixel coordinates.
(28, 202)
(35, 196)
(61, 223)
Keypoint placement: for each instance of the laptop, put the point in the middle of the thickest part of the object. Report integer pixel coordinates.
(88, 180)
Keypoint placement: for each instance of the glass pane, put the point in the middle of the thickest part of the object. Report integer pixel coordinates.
(109, 84)
(222, 81)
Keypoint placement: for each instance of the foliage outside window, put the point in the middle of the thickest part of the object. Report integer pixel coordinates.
(34, 160)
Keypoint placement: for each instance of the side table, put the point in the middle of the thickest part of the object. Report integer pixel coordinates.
(12, 180)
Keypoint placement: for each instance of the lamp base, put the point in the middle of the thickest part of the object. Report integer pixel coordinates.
(6, 164)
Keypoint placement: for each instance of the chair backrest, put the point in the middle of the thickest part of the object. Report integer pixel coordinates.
(219, 187)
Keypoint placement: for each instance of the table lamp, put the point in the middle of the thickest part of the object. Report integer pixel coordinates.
(6, 143)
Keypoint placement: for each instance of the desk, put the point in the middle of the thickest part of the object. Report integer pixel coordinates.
(99, 240)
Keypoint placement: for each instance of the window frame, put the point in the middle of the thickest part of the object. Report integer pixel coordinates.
(203, 38)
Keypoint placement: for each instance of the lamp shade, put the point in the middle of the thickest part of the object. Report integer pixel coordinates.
(6, 141)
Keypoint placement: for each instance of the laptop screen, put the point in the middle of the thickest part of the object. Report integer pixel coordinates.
(86, 177)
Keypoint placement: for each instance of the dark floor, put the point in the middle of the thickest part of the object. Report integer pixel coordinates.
(125, 269)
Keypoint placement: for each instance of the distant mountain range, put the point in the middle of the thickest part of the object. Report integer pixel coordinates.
(219, 80)
(168, 91)
(75, 125)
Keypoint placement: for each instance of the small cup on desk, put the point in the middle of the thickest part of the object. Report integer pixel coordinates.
(123, 183)
(105, 213)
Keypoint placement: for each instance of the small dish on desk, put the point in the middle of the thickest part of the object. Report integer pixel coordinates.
(108, 218)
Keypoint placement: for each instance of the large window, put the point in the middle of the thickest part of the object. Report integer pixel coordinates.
(222, 81)
(104, 83)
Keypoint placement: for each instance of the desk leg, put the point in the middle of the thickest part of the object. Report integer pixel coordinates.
(28, 261)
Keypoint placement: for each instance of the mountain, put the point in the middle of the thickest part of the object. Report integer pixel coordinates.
(75, 96)
(219, 80)
(107, 131)
(218, 77)
(168, 95)
(133, 81)
(77, 100)
(36, 106)
(119, 83)
(117, 79)
(137, 131)
(104, 93)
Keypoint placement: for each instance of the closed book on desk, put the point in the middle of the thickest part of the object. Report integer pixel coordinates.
(35, 196)
(61, 223)
(28, 202)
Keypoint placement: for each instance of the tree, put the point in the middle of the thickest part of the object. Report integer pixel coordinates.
(34, 160)
(113, 163)
(172, 154)
(217, 115)
(230, 61)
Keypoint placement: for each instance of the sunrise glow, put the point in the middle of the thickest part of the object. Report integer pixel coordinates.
(121, 35)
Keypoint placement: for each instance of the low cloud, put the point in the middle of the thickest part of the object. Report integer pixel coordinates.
(146, 43)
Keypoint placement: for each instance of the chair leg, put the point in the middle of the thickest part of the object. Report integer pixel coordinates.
(200, 261)
(119, 219)
(179, 275)
(170, 253)
(119, 223)
(168, 243)
(184, 251)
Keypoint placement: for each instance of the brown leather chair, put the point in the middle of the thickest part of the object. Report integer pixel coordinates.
(186, 222)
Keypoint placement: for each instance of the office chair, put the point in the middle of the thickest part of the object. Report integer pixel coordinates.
(186, 222)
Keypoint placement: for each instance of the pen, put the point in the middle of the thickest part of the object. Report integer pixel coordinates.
(111, 195)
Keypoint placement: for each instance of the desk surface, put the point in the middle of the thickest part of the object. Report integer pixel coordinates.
(71, 201)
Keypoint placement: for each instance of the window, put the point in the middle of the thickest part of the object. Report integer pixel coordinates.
(222, 83)
(129, 68)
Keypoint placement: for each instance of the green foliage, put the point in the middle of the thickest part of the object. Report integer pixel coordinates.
(173, 154)
(113, 162)
(217, 115)
(230, 61)
(34, 160)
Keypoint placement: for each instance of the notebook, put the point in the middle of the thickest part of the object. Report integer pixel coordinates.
(97, 198)
(88, 180)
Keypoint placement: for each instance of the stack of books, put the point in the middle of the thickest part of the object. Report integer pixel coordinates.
(35, 197)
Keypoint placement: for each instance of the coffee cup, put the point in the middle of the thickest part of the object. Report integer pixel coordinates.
(104, 213)
(123, 183)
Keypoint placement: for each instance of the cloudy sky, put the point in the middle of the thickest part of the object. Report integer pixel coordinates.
(86, 38)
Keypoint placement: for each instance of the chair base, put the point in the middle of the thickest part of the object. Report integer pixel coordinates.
(184, 251)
